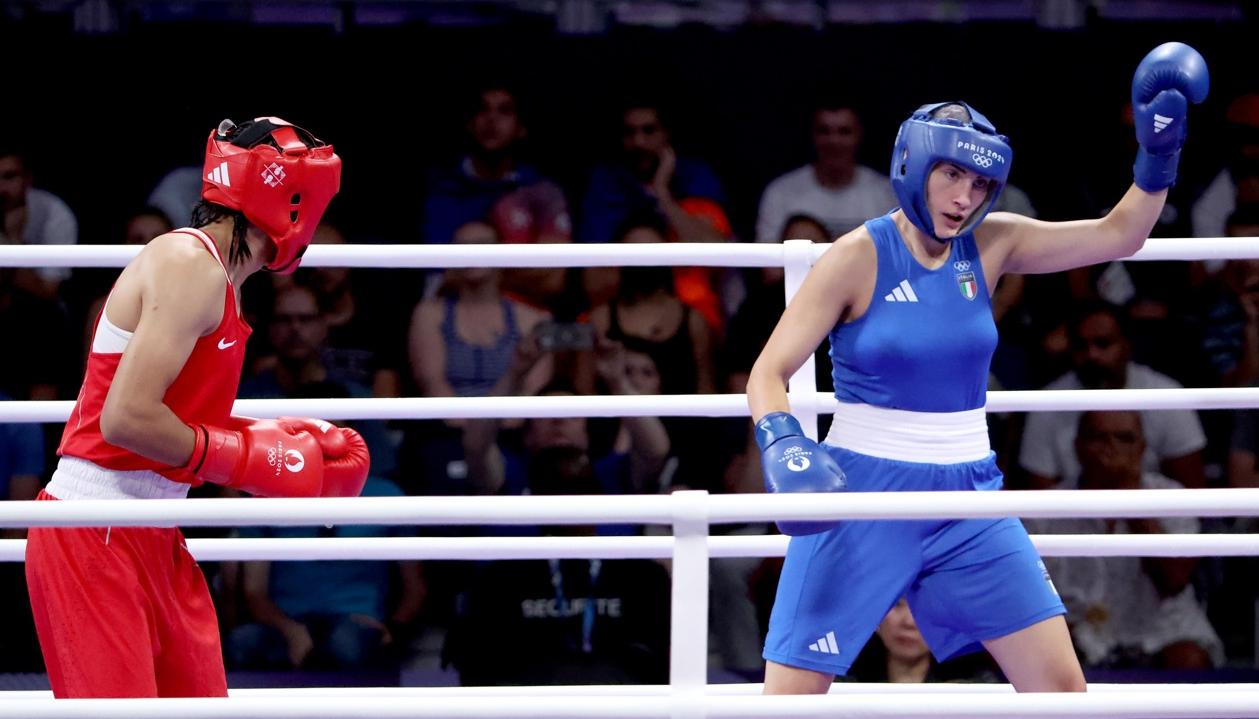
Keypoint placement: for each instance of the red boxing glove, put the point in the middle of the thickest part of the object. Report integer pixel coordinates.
(346, 459)
(263, 457)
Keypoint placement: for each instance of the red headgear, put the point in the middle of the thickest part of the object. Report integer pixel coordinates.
(278, 175)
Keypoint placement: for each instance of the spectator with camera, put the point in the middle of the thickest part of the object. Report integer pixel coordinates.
(462, 341)
(646, 315)
(629, 460)
(629, 465)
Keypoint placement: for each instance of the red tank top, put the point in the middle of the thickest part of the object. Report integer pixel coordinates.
(202, 393)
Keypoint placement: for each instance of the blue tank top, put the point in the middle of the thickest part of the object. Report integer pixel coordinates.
(473, 370)
(927, 339)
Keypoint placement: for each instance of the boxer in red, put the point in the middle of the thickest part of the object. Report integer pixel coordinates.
(124, 611)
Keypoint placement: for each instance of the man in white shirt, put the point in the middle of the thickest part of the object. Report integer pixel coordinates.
(1101, 355)
(1129, 611)
(33, 217)
(833, 188)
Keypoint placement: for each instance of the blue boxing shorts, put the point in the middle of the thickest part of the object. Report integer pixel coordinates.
(967, 581)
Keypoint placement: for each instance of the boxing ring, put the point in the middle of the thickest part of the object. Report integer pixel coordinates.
(689, 514)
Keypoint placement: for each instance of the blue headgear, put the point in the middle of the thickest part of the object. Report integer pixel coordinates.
(924, 141)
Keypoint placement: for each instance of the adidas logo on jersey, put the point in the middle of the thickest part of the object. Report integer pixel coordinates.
(903, 293)
(825, 645)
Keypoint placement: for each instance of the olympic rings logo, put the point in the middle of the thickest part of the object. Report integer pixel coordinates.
(981, 160)
(962, 266)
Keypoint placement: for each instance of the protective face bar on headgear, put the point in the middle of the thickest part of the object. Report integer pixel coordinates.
(924, 141)
(278, 175)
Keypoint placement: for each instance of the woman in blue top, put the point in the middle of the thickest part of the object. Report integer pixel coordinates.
(905, 302)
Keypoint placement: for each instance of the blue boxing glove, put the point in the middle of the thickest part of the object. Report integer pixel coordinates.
(1170, 77)
(794, 463)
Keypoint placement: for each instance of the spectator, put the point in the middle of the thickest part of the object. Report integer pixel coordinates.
(143, 225)
(176, 194)
(536, 213)
(1129, 611)
(468, 191)
(462, 342)
(898, 654)
(43, 369)
(354, 311)
(651, 184)
(327, 614)
(833, 188)
(22, 469)
(646, 315)
(630, 465)
(33, 217)
(1238, 182)
(572, 621)
(1243, 467)
(21, 463)
(752, 324)
(1229, 312)
(650, 178)
(298, 333)
(1101, 357)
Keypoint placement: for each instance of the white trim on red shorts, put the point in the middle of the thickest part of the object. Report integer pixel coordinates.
(78, 478)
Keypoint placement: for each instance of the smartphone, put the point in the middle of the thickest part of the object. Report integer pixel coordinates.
(561, 336)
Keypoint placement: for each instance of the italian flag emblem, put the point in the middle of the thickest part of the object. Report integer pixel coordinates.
(966, 283)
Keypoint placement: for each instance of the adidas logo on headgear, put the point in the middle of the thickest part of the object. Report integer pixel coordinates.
(219, 175)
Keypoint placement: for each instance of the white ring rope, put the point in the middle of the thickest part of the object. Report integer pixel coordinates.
(567, 255)
(1223, 703)
(657, 405)
(597, 690)
(631, 508)
(650, 547)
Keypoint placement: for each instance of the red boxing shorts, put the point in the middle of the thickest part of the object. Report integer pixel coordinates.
(122, 612)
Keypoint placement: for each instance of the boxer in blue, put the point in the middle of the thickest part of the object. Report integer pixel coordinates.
(905, 300)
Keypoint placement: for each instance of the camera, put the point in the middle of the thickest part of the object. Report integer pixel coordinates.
(560, 336)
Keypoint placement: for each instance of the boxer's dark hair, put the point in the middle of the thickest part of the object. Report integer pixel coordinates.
(205, 213)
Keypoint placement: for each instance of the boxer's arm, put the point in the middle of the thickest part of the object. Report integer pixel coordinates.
(1029, 246)
(1169, 78)
(829, 294)
(181, 295)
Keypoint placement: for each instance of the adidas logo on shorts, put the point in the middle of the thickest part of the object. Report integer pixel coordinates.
(825, 645)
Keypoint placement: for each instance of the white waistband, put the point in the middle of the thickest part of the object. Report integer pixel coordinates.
(935, 437)
(77, 478)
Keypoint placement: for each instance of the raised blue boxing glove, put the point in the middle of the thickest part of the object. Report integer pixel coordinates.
(1170, 77)
(794, 463)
